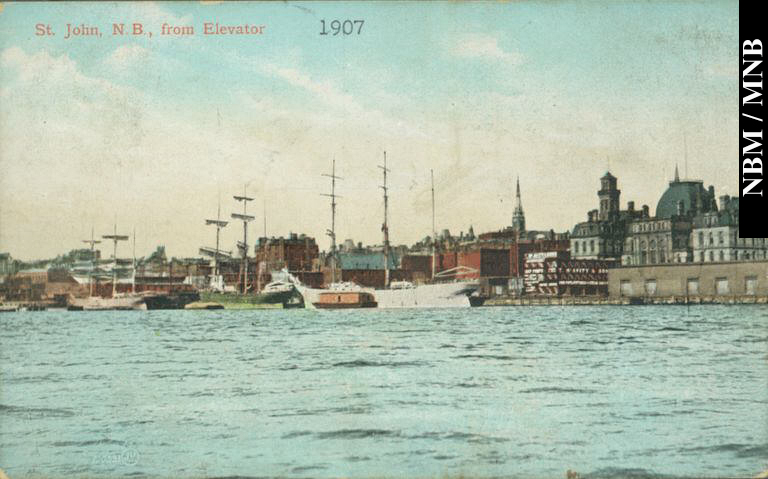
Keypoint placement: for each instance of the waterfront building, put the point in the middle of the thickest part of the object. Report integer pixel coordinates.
(698, 282)
(715, 236)
(666, 237)
(366, 267)
(658, 241)
(603, 235)
(555, 273)
(296, 252)
(690, 227)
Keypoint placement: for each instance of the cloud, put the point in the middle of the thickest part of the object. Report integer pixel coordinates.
(325, 91)
(331, 95)
(484, 46)
(127, 56)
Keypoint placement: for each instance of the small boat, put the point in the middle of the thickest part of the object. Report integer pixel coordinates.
(344, 300)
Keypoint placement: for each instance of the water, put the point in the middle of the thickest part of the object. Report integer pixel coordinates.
(513, 392)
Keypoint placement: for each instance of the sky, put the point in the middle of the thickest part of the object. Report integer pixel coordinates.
(152, 133)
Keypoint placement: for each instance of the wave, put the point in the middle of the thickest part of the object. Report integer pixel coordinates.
(357, 434)
(559, 390)
(360, 363)
(625, 473)
(500, 357)
(88, 443)
(461, 436)
(742, 451)
(30, 412)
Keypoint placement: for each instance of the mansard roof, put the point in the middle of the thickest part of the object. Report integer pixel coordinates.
(690, 192)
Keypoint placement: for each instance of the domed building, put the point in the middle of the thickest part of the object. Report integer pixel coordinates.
(686, 197)
(666, 237)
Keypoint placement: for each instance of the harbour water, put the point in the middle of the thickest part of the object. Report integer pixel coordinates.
(483, 392)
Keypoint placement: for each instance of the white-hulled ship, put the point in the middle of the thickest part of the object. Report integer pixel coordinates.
(398, 294)
(434, 295)
(127, 301)
(403, 294)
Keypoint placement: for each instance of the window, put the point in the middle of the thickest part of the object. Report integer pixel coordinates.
(625, 287)
(735, 255)
(591, 246)
(721, 285)
(701, 239)
(721, 255)
(711, 238)
(692, 287)
(711, 255)
(650, 287)
(701, 256)
(576, 245)
(750, 284)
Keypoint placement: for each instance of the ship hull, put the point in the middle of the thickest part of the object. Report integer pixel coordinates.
(437, 295)
(282, 299)
(345, 306)
(121, 303)
(170, 301)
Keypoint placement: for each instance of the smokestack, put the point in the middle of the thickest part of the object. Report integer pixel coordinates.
(645, 211)
(631, 206)
(725, 202)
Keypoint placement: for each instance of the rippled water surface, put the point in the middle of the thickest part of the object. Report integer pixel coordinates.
(514, 392)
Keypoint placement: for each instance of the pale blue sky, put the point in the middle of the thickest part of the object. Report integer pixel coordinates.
(481, 92)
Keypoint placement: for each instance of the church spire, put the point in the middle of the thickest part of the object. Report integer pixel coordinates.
(518, 217)
(677, 175)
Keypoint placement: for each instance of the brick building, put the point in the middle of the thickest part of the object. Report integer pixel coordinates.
(296, 253)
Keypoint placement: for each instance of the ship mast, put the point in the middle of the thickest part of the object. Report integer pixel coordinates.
(384, 227)
(332, 232)
(245, 218)
(115, 238)
(434, 234)
(91, 242)
(133, 277)
(219, 225)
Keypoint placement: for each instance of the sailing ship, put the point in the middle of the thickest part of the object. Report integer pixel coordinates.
(404, 294)
(398, 294)
(276, 294)
(125, 301)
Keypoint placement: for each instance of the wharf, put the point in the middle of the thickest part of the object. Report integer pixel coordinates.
(639, 300)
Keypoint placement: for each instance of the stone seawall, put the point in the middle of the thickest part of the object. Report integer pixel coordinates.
(595, 301)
